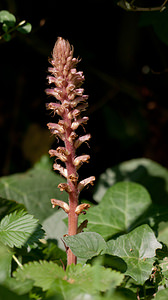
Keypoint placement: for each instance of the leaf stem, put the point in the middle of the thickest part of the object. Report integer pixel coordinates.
(13, 28)
(17, 261)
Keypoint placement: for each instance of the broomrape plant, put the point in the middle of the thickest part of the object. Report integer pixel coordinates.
(119, 254)
(70, 103)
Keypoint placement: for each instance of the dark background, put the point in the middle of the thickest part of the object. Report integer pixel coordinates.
(125, 67)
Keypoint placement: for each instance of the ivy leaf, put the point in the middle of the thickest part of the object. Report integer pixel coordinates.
(43, 273)
(85, 245)
(34, 189)
(120, 207)
(137, 249)
(150, 174)
(19, 229)
(7, 18)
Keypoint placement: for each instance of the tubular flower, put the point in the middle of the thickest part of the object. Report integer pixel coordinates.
(69, 103)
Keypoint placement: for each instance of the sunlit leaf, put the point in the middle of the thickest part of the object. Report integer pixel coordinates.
(85, 245)
(137, 249)
(7, 18)
(19, 228)
(26, 28)
(120, 207)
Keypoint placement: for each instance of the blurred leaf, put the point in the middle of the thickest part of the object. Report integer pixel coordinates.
(163, 232)
(85, 281)
(45, 162)
(7, 37)
(43, 273)
(5, 27)
(119, 208)
(93, 278)
(5, 262)
(8, 206)
(6, 294)
(26, 28)
(7, 18)
(162, 295)
(19, 228)
(19, 287)
(55, 227)
(85, 245)
(137, 249)
(144, 171)
(34, 189)
(159, 22)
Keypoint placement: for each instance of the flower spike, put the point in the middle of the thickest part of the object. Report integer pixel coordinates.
(69, 103)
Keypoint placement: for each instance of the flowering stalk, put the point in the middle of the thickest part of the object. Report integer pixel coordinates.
(70, 102)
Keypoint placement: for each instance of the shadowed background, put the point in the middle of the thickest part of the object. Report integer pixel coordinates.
(125, 62)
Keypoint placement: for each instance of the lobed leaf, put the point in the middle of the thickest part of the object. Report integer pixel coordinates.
(150, 174)
(19, 229)
(137, 249)
(120, 207)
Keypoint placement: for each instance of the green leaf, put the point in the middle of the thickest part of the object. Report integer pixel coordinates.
(120, 207)
(137, 249)
(19, 287)
(85, 281)
(85, 245)
(162, 295)
(34, 189)
(8, 206)
(150, 174)
(159, 22)
(43, 273)
(7, 37)
(7, 18)
(6, 294)
(19, 229)
(93, 278)
(5, 262)
(26, 28)
(55, 227)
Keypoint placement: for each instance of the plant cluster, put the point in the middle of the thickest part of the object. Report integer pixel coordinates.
(120, 244)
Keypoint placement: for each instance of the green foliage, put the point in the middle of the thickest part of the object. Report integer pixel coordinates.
(158, 20)
(86, 245)
(9, 25)
(121, 233)
(117, 211)
(19, 229)
(33, 189)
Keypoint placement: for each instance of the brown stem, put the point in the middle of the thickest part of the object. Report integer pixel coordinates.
(72, 182)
